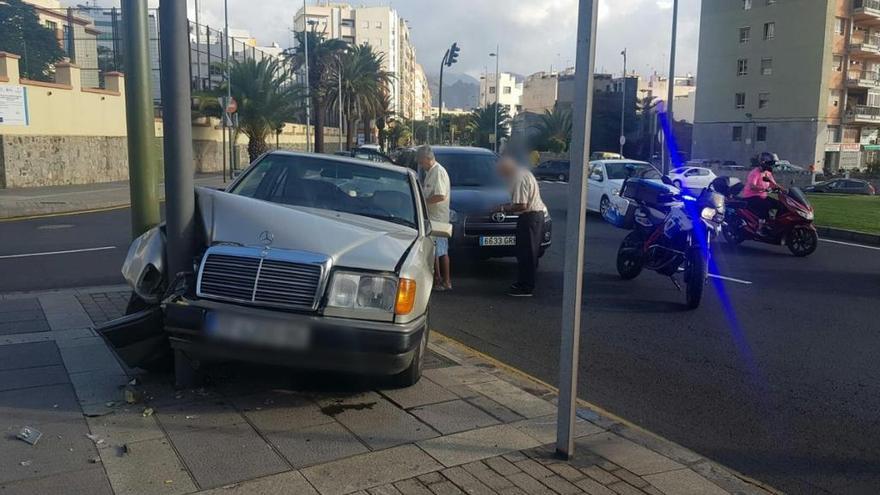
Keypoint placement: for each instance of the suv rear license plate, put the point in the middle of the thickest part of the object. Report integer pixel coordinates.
(261, 332)
(498, 240)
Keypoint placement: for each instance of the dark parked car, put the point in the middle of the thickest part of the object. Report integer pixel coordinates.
(478, 231)
(842, 186)
(368, 154)
(553, 170)
(732, 165)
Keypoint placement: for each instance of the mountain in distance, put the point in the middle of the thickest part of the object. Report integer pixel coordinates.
(459, 90)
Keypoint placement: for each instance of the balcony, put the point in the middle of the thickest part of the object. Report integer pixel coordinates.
(862, 114)
(866, 12)
(865, 47)
(863, 79)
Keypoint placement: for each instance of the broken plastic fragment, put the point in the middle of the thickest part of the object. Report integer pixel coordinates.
(26, 463)
(95, 438)
(148, 412)
(29, 435)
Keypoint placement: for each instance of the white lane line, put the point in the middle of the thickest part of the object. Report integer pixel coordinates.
(851, 244)
(52, 253)
(729, 279)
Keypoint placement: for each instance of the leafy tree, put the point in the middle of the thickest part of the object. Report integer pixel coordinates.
(646, 111)
(554, 130)
(265, 100)
(22, 34)
(324, 55)
(482, 124)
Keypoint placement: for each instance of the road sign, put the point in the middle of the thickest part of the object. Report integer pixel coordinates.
(622, 140)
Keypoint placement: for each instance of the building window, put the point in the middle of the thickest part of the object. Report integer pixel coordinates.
(838, 63)
(378, 24)
(769, 30)
(761, 134)
(740, 100)
(52, 25)
(347, 23)
(763, 100)
(747, 4)
(766, 66)
(742, 67)
(491, 90)
(745, 34)
(834, 98)
(507, 90)
(365, 24)
(737, 133)
(840, 26)
(832, 134)
(851, 135)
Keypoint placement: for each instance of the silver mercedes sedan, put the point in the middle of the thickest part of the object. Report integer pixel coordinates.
(311, 261)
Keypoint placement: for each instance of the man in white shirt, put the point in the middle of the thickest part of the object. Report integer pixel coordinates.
(525, 201)
(435, 186)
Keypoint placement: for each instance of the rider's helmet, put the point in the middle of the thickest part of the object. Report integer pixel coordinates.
(767, 161)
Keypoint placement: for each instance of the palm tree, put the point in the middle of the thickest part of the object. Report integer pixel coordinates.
(265, 99)
(481, 124)
(554, 130)
(323, 56)
(364, 86)
(646, 110)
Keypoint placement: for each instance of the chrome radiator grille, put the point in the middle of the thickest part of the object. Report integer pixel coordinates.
(262, 278)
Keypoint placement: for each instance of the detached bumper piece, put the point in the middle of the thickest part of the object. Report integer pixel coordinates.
(139, 339)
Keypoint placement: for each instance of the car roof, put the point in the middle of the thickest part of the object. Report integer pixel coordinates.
(342, 159)
(461, 149)
(621, 160)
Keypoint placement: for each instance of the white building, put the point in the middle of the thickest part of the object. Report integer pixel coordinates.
(511, 91)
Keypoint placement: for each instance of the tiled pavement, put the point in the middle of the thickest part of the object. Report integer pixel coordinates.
(467, 427)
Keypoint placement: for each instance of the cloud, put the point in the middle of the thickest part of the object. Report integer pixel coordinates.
(533, 34)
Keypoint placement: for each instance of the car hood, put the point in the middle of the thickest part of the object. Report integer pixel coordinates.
(477, 200)
(349, 240)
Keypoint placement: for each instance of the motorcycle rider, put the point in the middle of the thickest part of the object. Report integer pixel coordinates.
(759, 184)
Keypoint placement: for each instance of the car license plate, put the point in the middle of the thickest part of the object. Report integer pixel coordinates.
(261, 332)
(498, 240)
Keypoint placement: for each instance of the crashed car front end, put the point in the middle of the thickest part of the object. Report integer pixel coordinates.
(316, 289)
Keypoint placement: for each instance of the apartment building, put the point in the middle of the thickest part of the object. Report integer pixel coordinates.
(509, 94)
(800, 78)
(382, 28)
(76, 34)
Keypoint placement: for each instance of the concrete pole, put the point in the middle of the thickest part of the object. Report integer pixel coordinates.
(179, 170)
(670, 90)
(198, 50)
(230, 49)
(308, 84)
(142, 163)
(497, 91)
(623, 105)
(575, 228)
(339, 101)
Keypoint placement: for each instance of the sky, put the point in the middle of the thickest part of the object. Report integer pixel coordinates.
(534, 35)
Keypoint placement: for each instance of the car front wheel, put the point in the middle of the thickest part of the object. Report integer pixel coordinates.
(604, 205)
(412, 375)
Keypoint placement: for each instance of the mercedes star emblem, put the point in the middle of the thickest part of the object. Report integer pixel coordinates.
(267, 237)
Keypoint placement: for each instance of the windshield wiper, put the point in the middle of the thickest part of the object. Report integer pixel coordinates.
(398, 221)
(469, 184)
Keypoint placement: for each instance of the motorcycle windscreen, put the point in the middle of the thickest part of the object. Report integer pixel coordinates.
(798, 195)
(138, 339)
(620, 212)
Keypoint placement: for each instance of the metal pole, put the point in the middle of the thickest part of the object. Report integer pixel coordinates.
(623, 105)
(142, 164)
(179, 170)
(588, 14)
(198, 50)
(229, 57)
(308, 84)
(339, 103)
(497, 90)
(440, 113)
(670, 90)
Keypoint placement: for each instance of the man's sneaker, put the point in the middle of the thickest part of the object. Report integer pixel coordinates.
(519, 292)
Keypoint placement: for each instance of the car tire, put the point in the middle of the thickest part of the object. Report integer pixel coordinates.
(678, 184)
(187, 371)
(604, 205)
(411, 375)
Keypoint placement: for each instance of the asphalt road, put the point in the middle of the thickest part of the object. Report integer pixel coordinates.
(776, 375)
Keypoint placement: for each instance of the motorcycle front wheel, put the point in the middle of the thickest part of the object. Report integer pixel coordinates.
(629, 257)
(695, 277)
(802, 241)
(732, 234)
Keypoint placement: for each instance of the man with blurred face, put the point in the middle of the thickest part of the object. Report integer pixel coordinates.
(525, 201)
(437, 190)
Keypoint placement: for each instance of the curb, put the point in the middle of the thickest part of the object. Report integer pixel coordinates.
(849, 235)
(723, 476)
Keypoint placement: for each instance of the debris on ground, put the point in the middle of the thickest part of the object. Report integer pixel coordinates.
(134, 382)
(148, 412)
(26, 463)
(123, 450)
(192, 417)
(29, 435)
(168, 482)
(95, 460)
(94, 438)
(133, 395)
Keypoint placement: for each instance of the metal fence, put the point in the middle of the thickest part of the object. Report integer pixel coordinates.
(92, 38)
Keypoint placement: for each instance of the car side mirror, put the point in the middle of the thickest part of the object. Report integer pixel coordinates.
(597, 177)
(666, 180)
(441, 229)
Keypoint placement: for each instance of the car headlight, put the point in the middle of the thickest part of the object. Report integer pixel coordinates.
(453, 216)
(708, 213)
(615, 192)
(371, 293)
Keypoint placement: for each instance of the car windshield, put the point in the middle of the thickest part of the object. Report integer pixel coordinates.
(331, 185)
(625, 170)
(470, 169)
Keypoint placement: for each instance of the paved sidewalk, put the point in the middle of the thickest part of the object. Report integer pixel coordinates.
(33, 201)
(470, 426)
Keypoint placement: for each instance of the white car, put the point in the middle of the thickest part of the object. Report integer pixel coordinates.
(693, 178)
(607, 176)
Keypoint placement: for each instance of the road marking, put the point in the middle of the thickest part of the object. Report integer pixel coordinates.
(59, 226)
(52, 253)
(64, 213)
(730, 279)
(851, 244)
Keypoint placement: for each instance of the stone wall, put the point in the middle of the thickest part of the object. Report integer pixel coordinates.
(32, 161)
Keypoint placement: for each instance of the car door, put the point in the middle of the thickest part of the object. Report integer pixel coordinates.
(595, 184)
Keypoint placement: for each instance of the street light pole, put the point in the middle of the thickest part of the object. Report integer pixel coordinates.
(308, 85)
(670, 83)
(575, 228)
(497, 56)
(339, 101)
(228, 85)
(623, 105)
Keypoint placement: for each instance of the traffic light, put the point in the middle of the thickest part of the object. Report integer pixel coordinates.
(453, 55)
